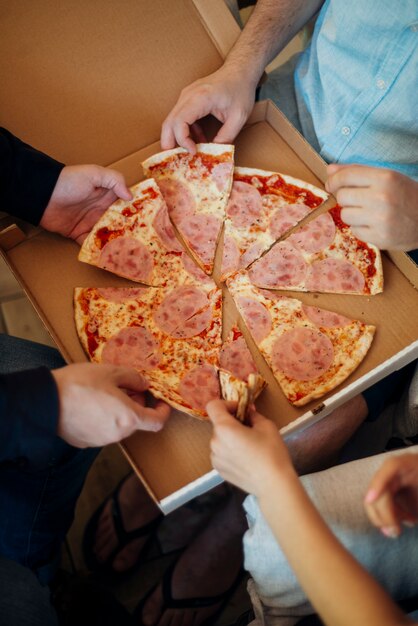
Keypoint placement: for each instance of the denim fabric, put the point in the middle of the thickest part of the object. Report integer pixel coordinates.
(23, 601)
(37, 506)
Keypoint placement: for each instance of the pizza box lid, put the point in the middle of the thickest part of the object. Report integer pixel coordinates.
(92, 81)
(101, 96)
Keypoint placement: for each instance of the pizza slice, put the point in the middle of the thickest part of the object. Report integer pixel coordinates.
(324, 256)
(236, 357)
(171, 336)
(262, 207)
(309, 350)
(196, 188)
(136, 239)
(244, 393)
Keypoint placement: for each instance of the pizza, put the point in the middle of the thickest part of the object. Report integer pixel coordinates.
(170, 328)
(235, 355)
(262, 207)
(243, 392)
(309, 350)
(171, 335)
(196, 189)
(136, 239)
(325, 256)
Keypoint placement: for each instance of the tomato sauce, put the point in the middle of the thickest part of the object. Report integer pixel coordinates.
(275, 184)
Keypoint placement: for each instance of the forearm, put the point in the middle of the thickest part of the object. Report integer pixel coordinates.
(27, 178)
(271, 26)
(341, 591)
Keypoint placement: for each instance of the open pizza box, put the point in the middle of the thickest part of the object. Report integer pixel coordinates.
(92, 82)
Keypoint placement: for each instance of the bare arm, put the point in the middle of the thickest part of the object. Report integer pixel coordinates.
(271, 26)
(229, 93)
(344, 593)
(256, 460)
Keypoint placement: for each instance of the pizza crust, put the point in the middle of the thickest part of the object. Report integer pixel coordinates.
(337, 349)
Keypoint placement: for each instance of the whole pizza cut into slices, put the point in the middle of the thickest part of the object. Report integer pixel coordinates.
(309, 350)
(136, 239)
(171, 336)
(262, 207)
(196, 189)
(323, 256)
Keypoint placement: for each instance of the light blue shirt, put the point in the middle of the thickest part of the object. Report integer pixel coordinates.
(356, 83)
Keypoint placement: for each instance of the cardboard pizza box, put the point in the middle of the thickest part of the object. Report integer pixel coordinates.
(92, 83)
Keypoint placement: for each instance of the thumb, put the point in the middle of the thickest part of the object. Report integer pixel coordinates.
(219, 411)
(129, 378)
(256, 419)
(113, 180)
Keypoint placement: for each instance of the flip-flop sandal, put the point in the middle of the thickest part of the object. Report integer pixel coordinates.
(124, 537)
(188, 603)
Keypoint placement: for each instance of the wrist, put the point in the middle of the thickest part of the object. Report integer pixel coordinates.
(280, 479)
(239, 68)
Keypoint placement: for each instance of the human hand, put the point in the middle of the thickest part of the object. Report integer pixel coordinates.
(82, 193)
(102, 404)
(392, 497)
(246, 457)
(224, 94)
(380, 205)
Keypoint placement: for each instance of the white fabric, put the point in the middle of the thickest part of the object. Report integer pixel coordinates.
(338, 494)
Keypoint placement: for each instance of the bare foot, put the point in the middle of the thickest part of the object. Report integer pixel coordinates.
(208, 567)
(137, 509)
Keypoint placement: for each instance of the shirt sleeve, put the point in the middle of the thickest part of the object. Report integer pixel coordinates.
(27, 178)
(29, 409)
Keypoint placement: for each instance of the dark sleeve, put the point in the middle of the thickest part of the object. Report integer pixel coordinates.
(29, 408)
(27, 178)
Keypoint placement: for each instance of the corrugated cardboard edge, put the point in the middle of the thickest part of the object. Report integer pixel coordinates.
(220, 25)
(11, 236)
(38, 309)
(406, 264)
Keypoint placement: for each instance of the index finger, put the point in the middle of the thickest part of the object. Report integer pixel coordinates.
(386, 478)
(349, 176)
(152, 419)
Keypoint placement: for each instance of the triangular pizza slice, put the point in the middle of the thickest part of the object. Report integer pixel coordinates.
(171, 336)
(310, 350)
(135, 239)
(196, 188)
(236, 357)
(323, 256)
(262, 207)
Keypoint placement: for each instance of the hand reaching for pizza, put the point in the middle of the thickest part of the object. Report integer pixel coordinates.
(246, 457)
(392, 497)
(380, 205)
(81, 195)
(224, 94)
(102, 404)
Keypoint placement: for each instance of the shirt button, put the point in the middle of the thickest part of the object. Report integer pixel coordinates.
(346, 130)
(380, 83)
(414, 28)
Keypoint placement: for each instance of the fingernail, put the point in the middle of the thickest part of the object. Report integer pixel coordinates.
(326, 186)
(390, 531)
(370, 496)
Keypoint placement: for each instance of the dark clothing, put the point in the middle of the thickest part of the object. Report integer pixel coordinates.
(28, 400)
(27, 178)
(41, 476)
